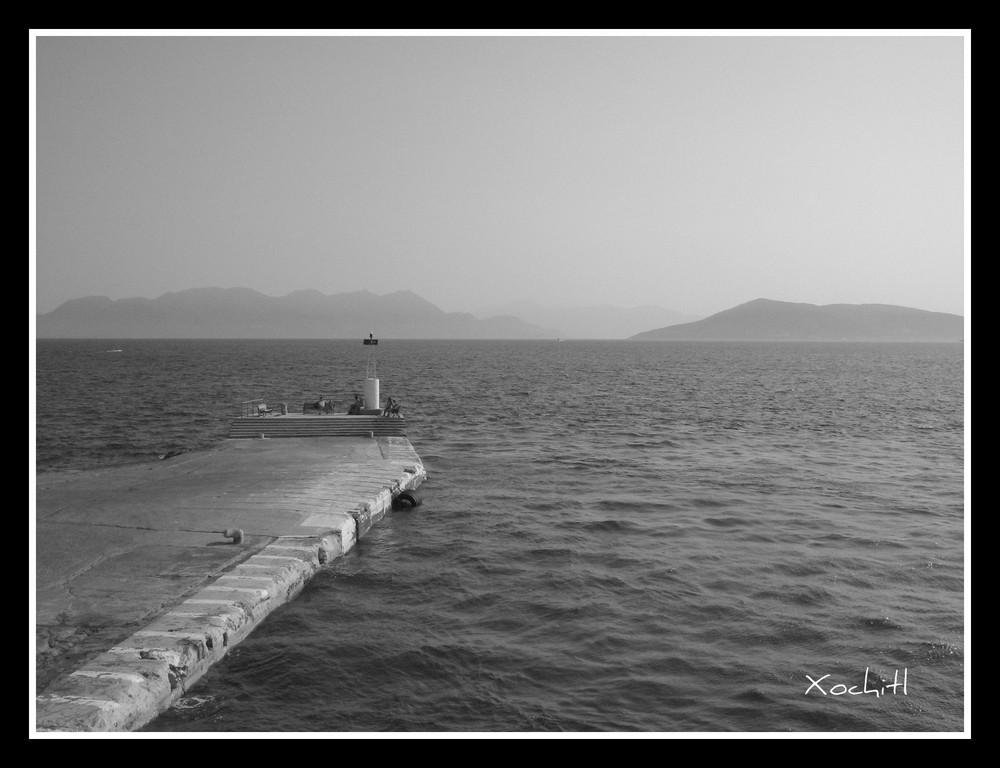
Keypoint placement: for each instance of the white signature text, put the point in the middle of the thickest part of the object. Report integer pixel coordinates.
(840, 689)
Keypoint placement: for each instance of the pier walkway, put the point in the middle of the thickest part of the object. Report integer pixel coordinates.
(148, 574)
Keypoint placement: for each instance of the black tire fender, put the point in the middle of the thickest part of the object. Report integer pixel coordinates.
(407, 500)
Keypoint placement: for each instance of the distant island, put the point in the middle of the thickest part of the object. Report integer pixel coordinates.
(768, 320)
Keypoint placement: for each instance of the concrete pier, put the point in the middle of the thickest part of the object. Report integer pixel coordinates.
(146, 575)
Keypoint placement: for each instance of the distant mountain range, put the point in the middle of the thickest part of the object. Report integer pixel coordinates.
(235, 313)
(242, 313)
(767, 320)
(597, 322)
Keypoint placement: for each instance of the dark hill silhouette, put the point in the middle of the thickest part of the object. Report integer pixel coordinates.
(225, 313)
(768, 320)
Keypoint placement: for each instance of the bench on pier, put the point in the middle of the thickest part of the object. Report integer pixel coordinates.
(263, 410)
(318, 406)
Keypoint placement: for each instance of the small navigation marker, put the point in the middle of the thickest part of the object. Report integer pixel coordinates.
(371, 340)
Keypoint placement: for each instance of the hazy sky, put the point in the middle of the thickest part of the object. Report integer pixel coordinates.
(690, 172)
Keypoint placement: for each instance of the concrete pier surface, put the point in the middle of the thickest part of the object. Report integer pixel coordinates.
(148, 574)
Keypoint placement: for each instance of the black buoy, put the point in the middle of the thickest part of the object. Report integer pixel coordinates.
(407, 500)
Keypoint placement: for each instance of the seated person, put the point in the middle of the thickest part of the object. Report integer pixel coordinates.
(356, 406)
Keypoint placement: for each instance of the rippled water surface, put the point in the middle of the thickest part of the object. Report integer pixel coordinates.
(615, 536)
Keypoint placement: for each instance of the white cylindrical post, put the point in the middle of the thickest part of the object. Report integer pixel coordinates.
(371, 394)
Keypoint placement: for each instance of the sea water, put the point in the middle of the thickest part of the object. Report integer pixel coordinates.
(616, 537)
